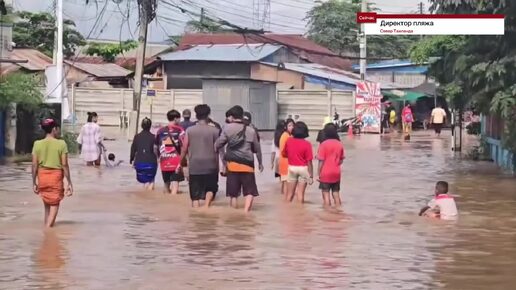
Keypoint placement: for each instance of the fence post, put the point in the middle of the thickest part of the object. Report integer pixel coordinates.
(330, 101)
(74, 113)
(354, 108)
(173, 98)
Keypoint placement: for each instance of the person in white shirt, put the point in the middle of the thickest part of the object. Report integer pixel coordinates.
(442, 205)
(438, 119)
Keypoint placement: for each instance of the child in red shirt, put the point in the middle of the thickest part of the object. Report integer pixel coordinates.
(330, 156)
(298, 151)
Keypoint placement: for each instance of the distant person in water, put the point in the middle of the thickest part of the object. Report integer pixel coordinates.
(144, 155)
(442, 206)
(49, 168)
(275, 151)
(283, 161)
(187, 115)
(330, 156)
(90, 141)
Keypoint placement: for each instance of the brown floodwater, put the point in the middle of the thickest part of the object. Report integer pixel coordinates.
(113, 235)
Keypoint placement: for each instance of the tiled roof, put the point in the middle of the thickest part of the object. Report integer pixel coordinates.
(36, 60)
(104, 70)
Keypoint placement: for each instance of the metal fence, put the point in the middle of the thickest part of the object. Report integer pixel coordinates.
(113, 105)
(312, 107)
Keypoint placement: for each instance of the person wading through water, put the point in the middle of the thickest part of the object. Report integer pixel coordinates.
(144, 155)
(49, 167)
(169, 141)
(199, 147)
(242, 143)
(90, 141)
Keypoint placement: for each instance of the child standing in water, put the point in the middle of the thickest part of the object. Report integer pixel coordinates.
(49, 167)
(299, 154)
(275, 152)
(330, 156)
(442, 205)
(283, 161)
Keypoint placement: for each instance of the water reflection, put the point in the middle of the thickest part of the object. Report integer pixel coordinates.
(49, 261)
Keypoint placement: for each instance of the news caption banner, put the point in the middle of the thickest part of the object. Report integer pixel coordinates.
(431, 24)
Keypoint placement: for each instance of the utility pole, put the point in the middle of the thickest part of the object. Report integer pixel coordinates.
(202, 16)
(421, 8)
(363, 45)
(147, 10)
(59, 59)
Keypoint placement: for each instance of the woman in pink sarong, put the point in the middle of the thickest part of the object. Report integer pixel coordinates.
(407, 117)
(90, 141)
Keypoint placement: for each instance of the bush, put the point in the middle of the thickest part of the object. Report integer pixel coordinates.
(473, 128)
(71, 141)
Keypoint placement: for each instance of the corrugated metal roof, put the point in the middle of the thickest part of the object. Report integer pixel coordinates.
(299, 45)
(103, 70)
(223, 52)
(393, 63)
(329, 73)
(36, 61)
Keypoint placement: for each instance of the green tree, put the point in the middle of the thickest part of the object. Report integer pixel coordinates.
(205, 26)
(477, 70)
(36, 30)
(333, 24)
(109, 51)
(21, 89)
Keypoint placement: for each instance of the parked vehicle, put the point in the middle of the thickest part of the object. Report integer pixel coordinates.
(355, 122)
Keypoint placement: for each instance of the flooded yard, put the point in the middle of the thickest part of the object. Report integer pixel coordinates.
(113, 235)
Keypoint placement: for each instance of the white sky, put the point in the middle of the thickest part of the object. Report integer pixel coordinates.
(286, 15)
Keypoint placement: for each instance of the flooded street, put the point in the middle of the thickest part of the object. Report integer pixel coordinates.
(113, 235)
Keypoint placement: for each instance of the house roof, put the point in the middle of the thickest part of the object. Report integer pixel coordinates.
(329, 73)
(298, 44)
(223, 52)
(104, 70)
(36, 60)
(394, 63)
(125, 62)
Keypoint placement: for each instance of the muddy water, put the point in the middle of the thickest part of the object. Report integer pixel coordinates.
(112, 235)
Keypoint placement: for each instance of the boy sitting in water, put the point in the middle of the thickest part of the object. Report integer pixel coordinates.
(111, 160)
(442, 205)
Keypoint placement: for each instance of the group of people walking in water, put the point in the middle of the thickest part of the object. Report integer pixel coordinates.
(199, 152)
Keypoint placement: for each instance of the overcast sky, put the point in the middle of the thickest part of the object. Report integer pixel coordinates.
(116, 23)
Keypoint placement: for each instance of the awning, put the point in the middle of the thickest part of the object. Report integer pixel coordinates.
(403, 96)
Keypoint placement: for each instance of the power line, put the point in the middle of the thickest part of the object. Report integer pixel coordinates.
(286, 4)
(100, 16)
(247, 7)
(247, 18)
